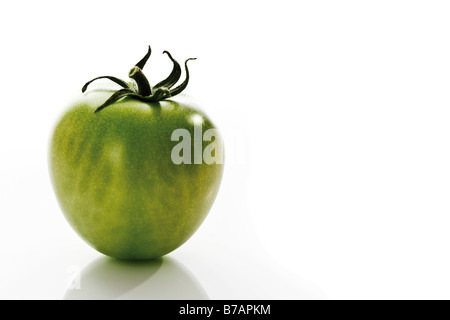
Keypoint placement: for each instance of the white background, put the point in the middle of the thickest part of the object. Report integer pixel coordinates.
(335, 116)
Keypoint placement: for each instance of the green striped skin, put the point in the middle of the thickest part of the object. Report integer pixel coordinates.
(115, 180)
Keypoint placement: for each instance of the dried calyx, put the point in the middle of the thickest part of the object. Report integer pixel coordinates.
(142, 91)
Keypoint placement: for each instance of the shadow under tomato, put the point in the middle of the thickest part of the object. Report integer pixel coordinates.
(106, 278)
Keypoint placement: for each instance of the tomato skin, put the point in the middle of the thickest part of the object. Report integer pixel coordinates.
(115, 180)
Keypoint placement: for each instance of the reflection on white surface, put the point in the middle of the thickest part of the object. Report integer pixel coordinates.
(106, 278)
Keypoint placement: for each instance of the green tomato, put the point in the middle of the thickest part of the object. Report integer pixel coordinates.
(125, 182)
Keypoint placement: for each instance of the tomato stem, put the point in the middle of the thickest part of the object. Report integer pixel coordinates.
(137, 75)
(144, 91)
